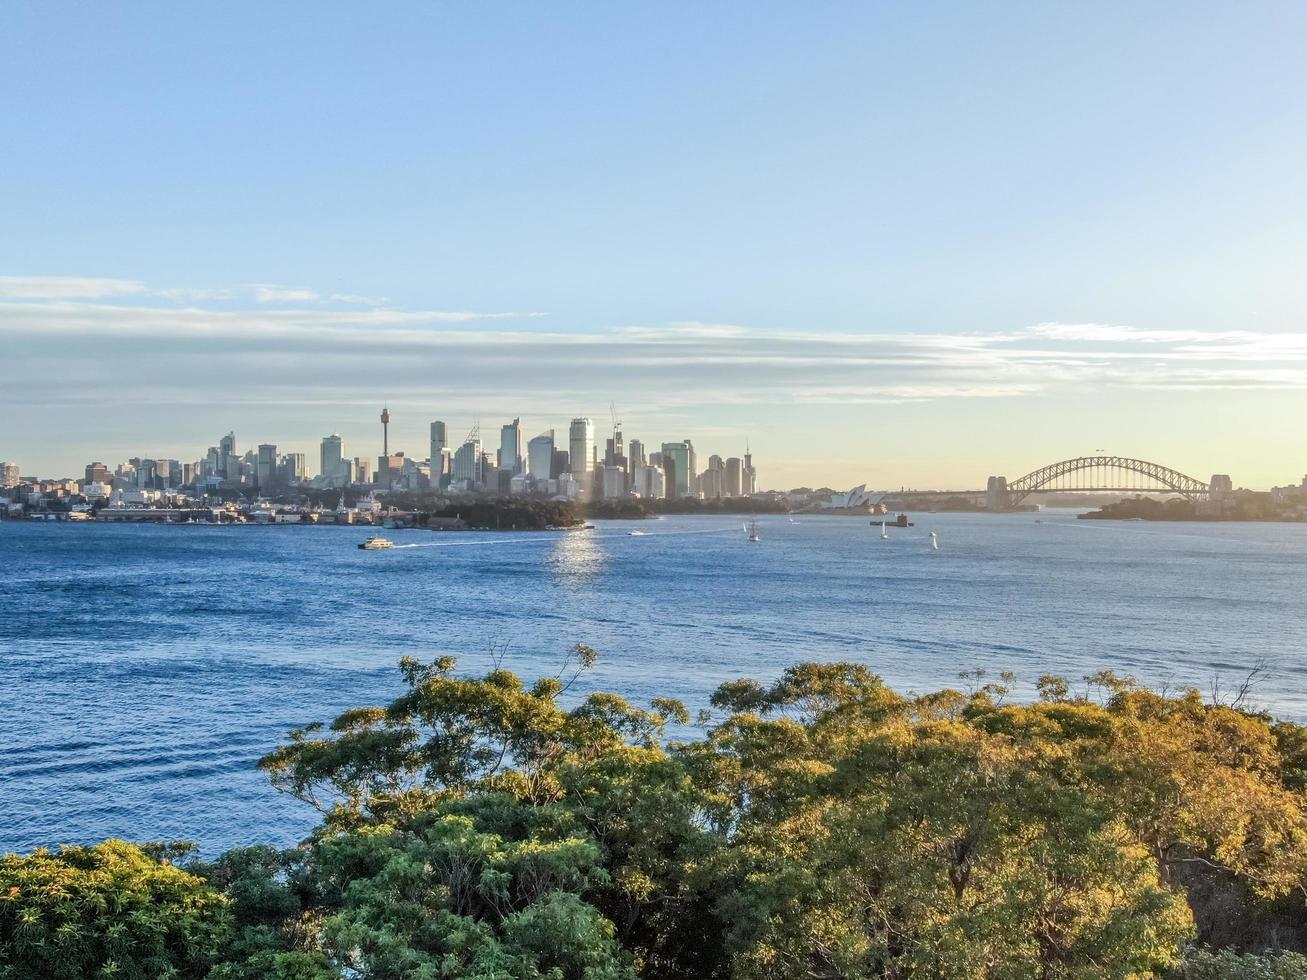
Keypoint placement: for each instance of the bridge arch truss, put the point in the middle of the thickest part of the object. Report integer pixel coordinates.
(1111, 473)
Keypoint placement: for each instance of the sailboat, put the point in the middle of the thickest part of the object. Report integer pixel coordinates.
(934, 540)
(884, 534)
(752, 528)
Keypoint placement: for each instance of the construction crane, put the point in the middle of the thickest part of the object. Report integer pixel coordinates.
(617, 449)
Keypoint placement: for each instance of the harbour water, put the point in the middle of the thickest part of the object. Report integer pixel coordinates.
(144, 669)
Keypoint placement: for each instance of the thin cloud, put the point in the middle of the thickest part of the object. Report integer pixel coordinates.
(67, 287)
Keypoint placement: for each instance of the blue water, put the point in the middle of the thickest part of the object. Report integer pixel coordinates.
(144, 669)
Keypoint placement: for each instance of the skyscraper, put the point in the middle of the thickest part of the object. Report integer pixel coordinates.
(330, 458)
(467, 462)
(295, 468)
(678, 465)
(635, 455)
(265, 472)
(734, 484)
(540, 456)
(581, 442)
(510, 448)
(438, 444)
(229, 466)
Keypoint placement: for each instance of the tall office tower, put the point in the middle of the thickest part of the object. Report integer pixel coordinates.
(331, 456)
(540, 456)
(212, 462)
(230, 465)
(581, 445)
(98, 473)
(612, 482)
(169, 473)
(362, 470)
(734, 484)
(295, 468)
(491, 475)
(635, 455)
(439, 442)
(560, 465)
(510, 448)
(713, 480)
(467, 462)
(384, 476)
(265, 473)
(648, 481)
(145, 474)
(678, 463)
(750, 477)
(9, 474)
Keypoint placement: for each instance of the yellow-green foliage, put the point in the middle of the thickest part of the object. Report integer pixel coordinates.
(109, 911)
(819, 827)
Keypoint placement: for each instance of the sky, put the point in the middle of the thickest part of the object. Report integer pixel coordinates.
(883, 243)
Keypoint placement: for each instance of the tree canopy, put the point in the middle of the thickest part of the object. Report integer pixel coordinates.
(817, 825)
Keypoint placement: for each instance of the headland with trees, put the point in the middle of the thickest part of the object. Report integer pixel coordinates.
(820, 825)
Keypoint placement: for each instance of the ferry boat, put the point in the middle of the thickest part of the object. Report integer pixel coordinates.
(376, 543)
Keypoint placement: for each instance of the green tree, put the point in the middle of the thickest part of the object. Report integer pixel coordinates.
(109, 911)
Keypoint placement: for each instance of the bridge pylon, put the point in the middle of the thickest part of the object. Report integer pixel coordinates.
(996, 495)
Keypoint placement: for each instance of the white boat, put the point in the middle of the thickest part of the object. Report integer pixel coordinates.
(884, 534)
(376, 543)
(638, 534)
(934, 540)
(752, 528)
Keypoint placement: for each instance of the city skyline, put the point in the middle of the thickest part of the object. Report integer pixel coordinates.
(882, 244)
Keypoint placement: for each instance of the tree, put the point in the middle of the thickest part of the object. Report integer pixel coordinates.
(107, 911)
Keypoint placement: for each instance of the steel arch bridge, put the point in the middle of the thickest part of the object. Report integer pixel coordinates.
(1114, 473)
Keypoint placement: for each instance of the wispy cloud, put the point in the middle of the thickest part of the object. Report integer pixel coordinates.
(67, 287)
(285, 294)
(271, 343)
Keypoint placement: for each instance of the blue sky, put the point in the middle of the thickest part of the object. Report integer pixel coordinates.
(899, 243)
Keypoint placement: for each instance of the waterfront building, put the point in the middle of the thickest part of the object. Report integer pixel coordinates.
(540, 456)
(510, 447)
(581, 448)
(9, 474)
